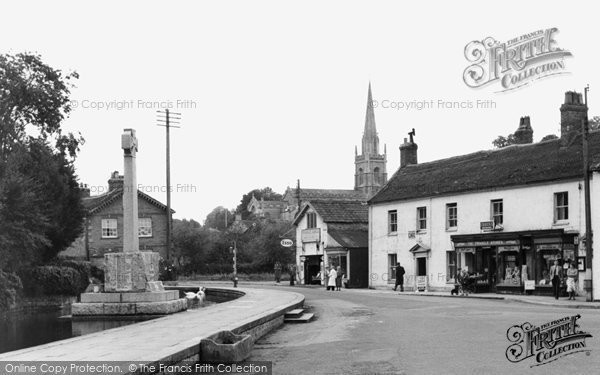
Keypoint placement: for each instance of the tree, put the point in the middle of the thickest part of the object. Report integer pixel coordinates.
(502, 141)
(265, 193)
(594, 123)
(34, 95)
(549, 137)
(40, 203)
(219, 218)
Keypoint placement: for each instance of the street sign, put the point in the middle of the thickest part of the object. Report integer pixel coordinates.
(287, 243)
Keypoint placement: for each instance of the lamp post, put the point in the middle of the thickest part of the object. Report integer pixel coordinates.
(234, 251)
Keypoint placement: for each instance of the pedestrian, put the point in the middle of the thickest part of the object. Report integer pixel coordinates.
(572, 275)
(277, 270)
(399, 277)
(338, 279)
(292, 273)
(556, 275)
(326, 278)
(332, 277)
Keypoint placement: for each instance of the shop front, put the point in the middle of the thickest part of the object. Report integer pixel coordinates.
(514, 262)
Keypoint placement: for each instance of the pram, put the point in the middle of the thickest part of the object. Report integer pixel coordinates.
(464, 285)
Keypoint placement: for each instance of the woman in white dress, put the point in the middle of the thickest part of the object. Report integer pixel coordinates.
(572, 274)
(332, 277)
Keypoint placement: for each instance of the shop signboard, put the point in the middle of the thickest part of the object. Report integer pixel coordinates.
(421, 283)
(486, 226)
(487, 243)
(311, 235)
(529, 284)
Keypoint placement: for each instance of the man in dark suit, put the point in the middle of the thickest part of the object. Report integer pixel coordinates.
(399, 277)
(556, 275)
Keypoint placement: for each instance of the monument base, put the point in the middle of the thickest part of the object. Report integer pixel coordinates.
(130, 272)
(115, 304)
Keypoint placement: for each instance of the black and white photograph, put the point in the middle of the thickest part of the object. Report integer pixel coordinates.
(286, 187)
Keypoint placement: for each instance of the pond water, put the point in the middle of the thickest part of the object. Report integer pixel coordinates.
(43, 325)
(23, 330)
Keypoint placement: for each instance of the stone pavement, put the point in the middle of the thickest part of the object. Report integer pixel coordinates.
(169, 337)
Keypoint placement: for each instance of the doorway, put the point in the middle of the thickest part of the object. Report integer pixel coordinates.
(422, 266)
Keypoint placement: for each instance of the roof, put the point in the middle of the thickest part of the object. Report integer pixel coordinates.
(339, 194)
(338, 211)
(510, 166)
(350, 238)
(96, 203)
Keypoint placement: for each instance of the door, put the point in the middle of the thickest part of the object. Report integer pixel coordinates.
(422, 266)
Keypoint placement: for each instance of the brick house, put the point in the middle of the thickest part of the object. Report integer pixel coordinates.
(104, 224)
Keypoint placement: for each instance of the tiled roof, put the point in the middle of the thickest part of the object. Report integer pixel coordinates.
(340, 211)
(349, 237)
(311, 194)
(96, 203)
(510, 166)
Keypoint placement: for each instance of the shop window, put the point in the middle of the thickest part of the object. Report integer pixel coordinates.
(450, 266)
(451, 216)
(109, 228)
(392, 221)
(509, 269)
(311, 220)
(497, 212)
(545, 260)
(421, 218)
(561, 206)
(392, 261)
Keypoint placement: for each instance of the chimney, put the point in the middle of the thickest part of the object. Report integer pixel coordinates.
(572, 112)
(115, 181)
(408, 153)
(524, 133)
(84, 190)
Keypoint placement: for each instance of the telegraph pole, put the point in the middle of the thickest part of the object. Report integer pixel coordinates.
(588, 286)
(167, 119)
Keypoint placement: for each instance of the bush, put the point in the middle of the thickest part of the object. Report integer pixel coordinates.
(97, 273)
(10, 289)
(69, 279)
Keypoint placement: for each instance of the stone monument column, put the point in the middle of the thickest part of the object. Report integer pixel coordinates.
(129, 144)
(131, 270)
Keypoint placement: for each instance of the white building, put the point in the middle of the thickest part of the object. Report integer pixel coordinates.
(505, 214)
(333, 233)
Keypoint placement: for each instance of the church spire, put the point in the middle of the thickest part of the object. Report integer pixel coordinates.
(370, 140)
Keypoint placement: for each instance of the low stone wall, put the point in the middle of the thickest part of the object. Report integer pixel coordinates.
(27, 304)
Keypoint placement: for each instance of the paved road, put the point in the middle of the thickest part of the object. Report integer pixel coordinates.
(380, 332)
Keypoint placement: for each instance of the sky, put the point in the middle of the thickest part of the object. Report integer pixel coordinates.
(271, 91)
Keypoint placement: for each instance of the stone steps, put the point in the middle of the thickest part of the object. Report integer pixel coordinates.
(298, 316)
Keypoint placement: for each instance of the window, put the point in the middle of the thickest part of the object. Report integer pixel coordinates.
(376, 176)
(497, 212)
(311, 220)
(392, 261)
(145, 227)
(561, 206)
(421, 218)
(109, 228)
(392, 221)
(451, 216)
(450, 266)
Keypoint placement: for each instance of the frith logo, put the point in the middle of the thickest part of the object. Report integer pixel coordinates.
(548, 342)
(515, 63)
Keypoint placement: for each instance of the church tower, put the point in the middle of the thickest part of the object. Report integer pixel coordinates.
(370, 173)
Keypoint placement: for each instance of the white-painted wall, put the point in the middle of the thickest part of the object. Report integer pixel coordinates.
(525, 208)
(310, 248)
